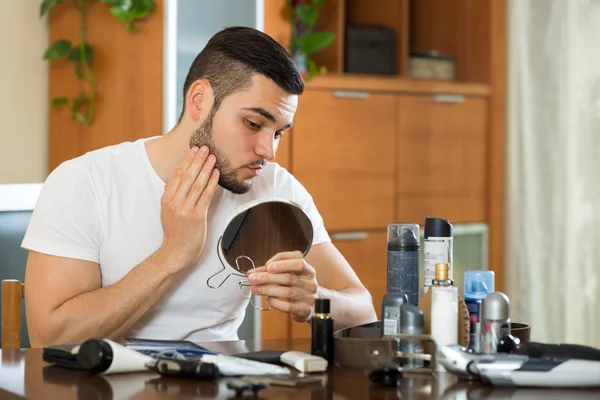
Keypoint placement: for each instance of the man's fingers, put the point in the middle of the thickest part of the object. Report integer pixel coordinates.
(256, 270)
(292, 293)
(200, 184)
(264, 278)
(284, 256)
(296, 266)
(190, 176)
(209, 192)
(299, 311)
(177, 174)
(283, 292)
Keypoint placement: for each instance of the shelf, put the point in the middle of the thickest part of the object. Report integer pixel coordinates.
(392, 84)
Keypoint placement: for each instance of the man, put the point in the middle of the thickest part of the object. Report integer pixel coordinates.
(123, 238)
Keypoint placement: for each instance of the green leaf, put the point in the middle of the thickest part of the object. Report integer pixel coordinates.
(58, 49)
(76, 113)
(78, 69)
(110, 1)
(59, 101)
(78, 116)
(312, 68)
(79, 99)
(47, 5)
(130, 10)
(315, 42)
(75, 53)
(307, 14)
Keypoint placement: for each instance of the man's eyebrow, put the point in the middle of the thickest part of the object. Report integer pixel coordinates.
(266, 114)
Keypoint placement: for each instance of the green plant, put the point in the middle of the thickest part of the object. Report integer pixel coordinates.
(306, 38)
(82, 54)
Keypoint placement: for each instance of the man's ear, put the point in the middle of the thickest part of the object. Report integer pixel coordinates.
(195, 99)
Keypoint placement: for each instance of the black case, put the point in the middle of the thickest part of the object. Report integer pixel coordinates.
(370, 49)
(61, 355)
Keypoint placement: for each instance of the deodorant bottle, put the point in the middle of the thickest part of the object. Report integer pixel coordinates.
(437, 248)
(412, 324)
(403, 260)
(495, 322)
(478, 284)
(391, 316)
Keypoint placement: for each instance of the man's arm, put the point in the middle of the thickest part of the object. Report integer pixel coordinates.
(351, 302)
(66, 304)
(293, 283)
(64, 299)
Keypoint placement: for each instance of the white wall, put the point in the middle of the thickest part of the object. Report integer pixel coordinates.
(23, 92)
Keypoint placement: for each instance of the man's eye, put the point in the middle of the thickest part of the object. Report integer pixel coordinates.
(252, 125)
(278, 135)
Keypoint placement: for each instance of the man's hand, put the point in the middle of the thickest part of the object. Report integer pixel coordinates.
(184, 206)
(290, 282)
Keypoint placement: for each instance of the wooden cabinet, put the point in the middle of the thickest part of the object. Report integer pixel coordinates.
(442, 147)
(367, 254)
(343, 153)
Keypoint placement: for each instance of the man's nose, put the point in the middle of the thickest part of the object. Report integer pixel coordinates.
(265, 147)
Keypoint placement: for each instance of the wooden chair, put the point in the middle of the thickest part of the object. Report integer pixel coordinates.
(12, 293)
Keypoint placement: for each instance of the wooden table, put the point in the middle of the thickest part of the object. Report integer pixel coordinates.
(23, 374)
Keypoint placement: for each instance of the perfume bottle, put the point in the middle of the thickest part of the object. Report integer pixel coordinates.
(322, 331)
(437, 248)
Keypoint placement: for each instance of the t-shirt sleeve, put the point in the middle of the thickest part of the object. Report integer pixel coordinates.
(64, 221)
(287, 186)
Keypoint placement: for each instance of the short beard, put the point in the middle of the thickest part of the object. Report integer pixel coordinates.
(228, 175)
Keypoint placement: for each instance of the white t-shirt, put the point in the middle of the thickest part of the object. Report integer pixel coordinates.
(105, 207)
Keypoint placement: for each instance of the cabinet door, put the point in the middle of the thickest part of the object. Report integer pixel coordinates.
(367, 254)
(442, 158)
(343, 153)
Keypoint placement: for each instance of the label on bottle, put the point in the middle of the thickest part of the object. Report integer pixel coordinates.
(474, 307)
(391, 320)
(403, 274)
(436, 250)
(444, 315)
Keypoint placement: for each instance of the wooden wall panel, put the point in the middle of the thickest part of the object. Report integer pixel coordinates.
(277, 21)
(496, 148)
(128, 69)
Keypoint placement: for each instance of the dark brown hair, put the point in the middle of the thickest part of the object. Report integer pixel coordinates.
(232, 56)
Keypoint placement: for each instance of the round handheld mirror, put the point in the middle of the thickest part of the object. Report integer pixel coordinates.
(256, 232)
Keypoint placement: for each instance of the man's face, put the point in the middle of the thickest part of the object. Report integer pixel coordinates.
(245, 131)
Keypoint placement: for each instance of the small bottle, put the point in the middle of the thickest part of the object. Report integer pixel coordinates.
(478, 284)
(322, 331)
(495, 321)
(403, 260)
(391, 312)
(444, 309)
(437, 248)
(412, 324)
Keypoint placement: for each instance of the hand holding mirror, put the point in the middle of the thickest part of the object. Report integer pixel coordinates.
(255, 233)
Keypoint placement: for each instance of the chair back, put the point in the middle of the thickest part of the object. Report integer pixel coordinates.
(13, 291)
(17, 202)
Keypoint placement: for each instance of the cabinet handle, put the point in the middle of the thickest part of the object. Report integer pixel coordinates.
(350, 94)
(349, 236)
(448, 98)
